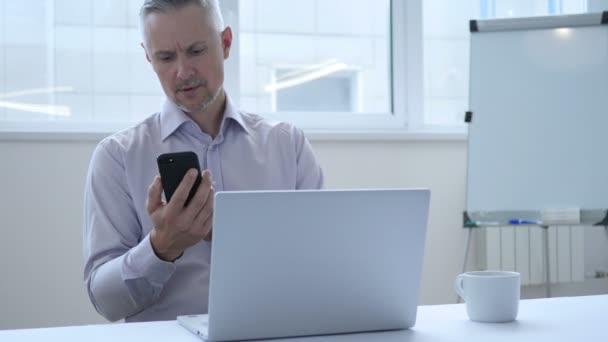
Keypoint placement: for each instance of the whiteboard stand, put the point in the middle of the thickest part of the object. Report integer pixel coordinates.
(466, 255)
(593, 217)
(537, 102)
(547, 265)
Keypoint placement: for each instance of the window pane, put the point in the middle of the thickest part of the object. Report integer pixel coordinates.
(74, 62)
(307, 55)
(446, 47)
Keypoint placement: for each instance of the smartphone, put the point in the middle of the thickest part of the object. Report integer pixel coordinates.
(173, 167)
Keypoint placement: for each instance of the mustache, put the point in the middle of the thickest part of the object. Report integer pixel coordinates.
(191, 83)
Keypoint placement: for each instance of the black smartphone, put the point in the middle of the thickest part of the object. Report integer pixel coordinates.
(173, 167)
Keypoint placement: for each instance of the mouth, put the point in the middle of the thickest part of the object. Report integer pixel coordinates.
(189, 90)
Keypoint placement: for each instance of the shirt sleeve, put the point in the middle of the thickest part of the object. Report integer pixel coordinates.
(122, 273)
(309, 172)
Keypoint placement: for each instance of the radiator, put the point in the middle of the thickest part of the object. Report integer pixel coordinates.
(520, 249)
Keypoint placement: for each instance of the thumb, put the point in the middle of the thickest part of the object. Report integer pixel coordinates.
(155, 200)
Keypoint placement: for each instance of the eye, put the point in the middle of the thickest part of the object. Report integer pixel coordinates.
(165, 58)
(196, 52)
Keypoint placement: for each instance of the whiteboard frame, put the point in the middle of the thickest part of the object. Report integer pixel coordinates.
(540, 22)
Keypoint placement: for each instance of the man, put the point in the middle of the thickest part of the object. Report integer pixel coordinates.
(147, 259)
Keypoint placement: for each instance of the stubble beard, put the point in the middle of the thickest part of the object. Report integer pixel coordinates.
(205, 103)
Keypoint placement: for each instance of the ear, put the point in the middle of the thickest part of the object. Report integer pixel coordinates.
(146, 51)
(226, 37)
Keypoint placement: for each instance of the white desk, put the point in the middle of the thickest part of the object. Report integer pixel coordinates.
(554, 319)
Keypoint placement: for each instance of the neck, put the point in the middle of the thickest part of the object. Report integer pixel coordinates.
(210, 119)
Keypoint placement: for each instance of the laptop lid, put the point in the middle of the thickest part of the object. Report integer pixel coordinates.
(298, 263)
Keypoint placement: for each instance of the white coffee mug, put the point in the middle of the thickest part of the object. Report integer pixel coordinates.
(490, 296)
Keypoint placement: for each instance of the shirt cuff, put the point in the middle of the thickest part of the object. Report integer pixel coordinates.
(145, 262)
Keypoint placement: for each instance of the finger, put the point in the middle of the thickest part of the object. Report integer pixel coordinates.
(154, 200)
(209, 176)
(200, 197)
(211, 181)
(176, 204)
(204, 213)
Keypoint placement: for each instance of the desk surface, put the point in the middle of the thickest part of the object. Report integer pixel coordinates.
(556, 319)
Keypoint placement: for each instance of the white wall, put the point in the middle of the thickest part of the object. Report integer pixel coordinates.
(41, 210)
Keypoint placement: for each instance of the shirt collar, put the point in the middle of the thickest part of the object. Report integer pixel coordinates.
(172, 117)
(232, 112)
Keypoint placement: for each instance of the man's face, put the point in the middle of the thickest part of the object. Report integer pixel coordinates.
(187, 54)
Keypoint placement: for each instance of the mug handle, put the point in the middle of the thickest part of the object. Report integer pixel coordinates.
(458, 286)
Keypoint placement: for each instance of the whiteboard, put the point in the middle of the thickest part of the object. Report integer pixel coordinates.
(538, 137)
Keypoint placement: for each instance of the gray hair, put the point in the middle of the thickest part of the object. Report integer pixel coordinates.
(211, 7)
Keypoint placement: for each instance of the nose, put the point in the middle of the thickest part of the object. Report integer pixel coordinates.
(184, 69)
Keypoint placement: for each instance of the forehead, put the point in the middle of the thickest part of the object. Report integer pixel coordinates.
(180, 27)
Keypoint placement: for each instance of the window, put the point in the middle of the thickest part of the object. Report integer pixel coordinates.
(324, 64)
(78, 65)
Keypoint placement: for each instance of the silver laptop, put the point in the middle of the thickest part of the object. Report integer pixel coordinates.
(302, 263)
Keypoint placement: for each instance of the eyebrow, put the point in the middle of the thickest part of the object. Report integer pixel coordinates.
(171, 52)
(163, 53)
(195, 44)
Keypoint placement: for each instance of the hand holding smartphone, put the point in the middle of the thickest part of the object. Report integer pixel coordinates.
(173, 167)
(175, 229)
